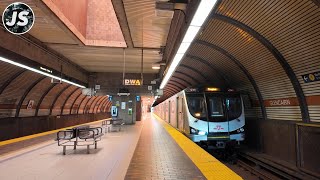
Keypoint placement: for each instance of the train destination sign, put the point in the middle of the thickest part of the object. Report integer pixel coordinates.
(311, 77)
(133, 82)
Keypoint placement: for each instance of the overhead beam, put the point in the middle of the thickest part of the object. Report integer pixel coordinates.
(243, 69)
(84, 108)
(180, 79)
(185, 74)
(176, 82)
(42, 98)
(26, 92)
(57, 97)
(206, 78)
(11, 79)
(119, 9)
(64, 103)
(94, 102)
(47, 11)
(213, 68)
(101, 104)
(81, 103)
(75, 100)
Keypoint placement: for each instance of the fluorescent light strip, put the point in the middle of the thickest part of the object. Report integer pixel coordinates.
(203, 11)
(40, 72)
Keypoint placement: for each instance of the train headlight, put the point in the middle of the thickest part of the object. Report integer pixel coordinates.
(202, 133)
(193, 131)
(240, 130)
(197, 114)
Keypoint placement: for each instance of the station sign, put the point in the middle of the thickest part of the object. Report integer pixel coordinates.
(30, 104)
(132, 82)
(282, 102)
(311, 77)
(47, 70)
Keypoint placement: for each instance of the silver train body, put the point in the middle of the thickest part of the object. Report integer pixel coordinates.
(206, 115)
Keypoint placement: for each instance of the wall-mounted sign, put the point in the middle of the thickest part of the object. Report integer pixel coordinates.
(133, 82)
(311, 77)
(123, 105)
(117, 103)
(46, 70)
(150, 88)
(97, 86)
(129, 111)
(30, 104)
(138, 98)
(292, 101)
(110, 98)
(159, 92)
(153, 82)
(114, 111)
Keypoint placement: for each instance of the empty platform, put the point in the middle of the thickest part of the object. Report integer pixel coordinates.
(158, 156)
(45, 160)
(150, 149)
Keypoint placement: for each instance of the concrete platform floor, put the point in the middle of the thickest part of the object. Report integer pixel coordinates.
(158, 156)
(44, 161)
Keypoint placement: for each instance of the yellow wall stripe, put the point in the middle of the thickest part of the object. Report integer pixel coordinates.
(210, 167)
(2, 143)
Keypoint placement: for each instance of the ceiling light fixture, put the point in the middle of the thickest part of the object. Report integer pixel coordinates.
(203, 11)
(155, 66)
(40, 72)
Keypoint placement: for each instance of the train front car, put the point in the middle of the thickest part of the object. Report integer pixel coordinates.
(215, 117)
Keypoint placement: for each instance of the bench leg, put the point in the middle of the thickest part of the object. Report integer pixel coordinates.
(64, 150)
(88, 149)
(95, 144)
(75, 145)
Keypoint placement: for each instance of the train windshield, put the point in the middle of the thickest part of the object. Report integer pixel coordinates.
(196, 106)
(217, 111)
(234, 104)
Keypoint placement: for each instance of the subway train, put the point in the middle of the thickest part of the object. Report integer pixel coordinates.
(207, 115)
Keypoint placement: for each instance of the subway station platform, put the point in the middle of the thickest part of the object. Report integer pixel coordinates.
(150, 149)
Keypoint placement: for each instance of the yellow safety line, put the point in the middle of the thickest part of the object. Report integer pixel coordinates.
(210, 167)
(2, 143)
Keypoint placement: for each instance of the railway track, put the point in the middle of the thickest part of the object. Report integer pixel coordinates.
(244, 168)
(259, 169)
(252, 168)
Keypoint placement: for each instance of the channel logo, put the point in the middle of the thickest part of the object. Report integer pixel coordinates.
(18, 18)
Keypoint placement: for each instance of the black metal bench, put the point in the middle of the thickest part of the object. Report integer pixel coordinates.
(79, 136)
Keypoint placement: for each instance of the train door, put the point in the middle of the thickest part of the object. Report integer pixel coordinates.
(180, 112)
(169, 112)
(177, 113)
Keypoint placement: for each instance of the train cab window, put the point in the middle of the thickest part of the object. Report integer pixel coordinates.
(215, 107)
(196, 106)
(234, 104)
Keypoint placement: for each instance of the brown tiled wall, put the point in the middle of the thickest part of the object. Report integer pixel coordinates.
(16, 127)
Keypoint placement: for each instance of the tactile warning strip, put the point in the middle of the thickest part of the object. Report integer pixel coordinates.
(210, 167)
